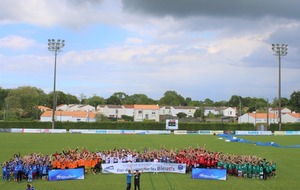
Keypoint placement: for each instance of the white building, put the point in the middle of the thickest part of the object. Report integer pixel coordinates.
(209, 110)
(129, 110)
(188, 110)
(71, 116)
(228, 111)
(276, 110)
(166, 110)
(290, 118)
(111, 111)
(146, 112)
(224, 111)
(258, 118)
(75, 107)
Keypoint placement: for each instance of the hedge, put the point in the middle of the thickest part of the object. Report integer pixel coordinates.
(142, 126)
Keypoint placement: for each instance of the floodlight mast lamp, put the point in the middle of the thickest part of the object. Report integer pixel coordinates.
(279, 50)
(55, 46)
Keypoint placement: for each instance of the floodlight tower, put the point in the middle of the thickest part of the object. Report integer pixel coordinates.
(55, 46)
(279, 50)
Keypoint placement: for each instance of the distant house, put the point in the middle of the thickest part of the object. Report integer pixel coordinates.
(258, 118)
(75, 107)
(129, 110)
(166, 110)
(146, 112)
(72, 116)
(290, 118)
(210, 110)
(227, 111)
(111, 111)
(188, 110)
(276, 111)
(224, 111)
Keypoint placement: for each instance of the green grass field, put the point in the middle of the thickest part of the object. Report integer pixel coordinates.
(288, 176)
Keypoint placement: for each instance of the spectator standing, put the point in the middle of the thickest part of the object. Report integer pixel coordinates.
(128, 180)
(137, 177)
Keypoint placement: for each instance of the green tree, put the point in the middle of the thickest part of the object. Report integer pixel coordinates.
(171, 98)
(257, 105)
(139, 99)
(113, 100)
(198, 113)
(246, 101)
(235, 101)
(208, 102)
(121, 96)
(181, 115)
(284, 102)
(23, 101)
(127, 118)
(94, 101)
(220, 103)
(211, 115)
(118, 98)
(82, 98)
(188, 101)
(71, 99)
(3, 95)
(3, 105)
(62, 98)
(295, 101)
(197, 103)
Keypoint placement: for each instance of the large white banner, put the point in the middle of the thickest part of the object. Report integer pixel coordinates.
(25, 130)
(121, 168)
(253, 132)
(286, 132)
(104, 131)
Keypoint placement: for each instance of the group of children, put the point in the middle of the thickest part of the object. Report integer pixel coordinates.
(236, 165)
(33, 166)
(247, 166)
(36, 166)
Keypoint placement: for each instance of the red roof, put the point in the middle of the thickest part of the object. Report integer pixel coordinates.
(76, 114)
(263, 115)
(129, 106)
(44, 108)
(146, 107)
(295, 115)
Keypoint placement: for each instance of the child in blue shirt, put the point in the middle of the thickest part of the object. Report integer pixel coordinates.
(4, 170)
(30, 187)
(30, 174)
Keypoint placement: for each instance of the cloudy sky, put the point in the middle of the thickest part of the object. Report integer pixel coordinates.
(198, 48)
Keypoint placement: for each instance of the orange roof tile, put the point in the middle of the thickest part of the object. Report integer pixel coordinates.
(146, 107)
(77, 114)
(295, 115)
(44, 108)
(128, 106)
(263, 115)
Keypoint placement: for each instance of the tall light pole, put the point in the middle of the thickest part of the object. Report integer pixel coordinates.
(279, 50)
(240, 108)
(268, 123)
(55, 46)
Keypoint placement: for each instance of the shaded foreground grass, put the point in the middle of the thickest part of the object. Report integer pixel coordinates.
(286, 159)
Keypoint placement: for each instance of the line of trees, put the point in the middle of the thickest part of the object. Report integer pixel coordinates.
(22, 103)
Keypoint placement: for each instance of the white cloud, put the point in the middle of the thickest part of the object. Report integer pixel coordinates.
(66, 13)
(16, 42)
(154, 49)
(134, 41)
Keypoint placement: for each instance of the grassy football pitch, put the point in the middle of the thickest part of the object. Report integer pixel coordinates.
(287, 160)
